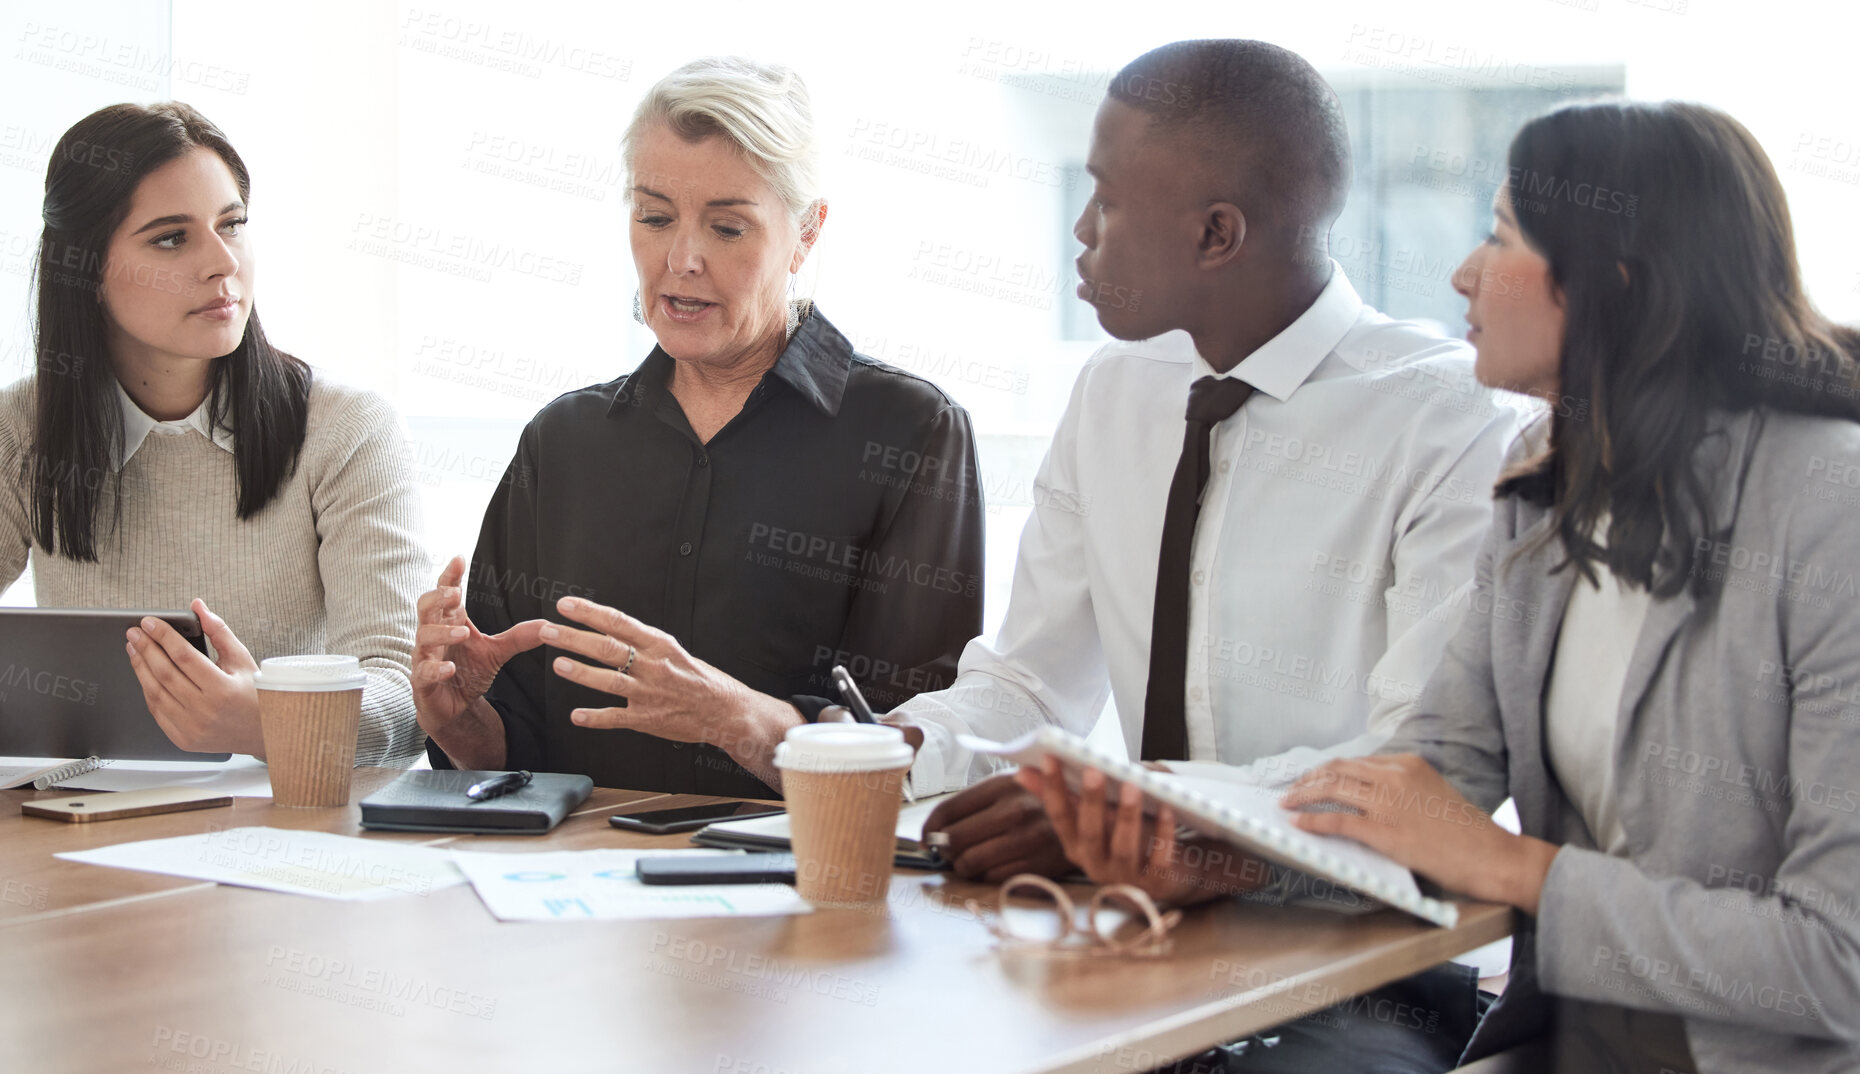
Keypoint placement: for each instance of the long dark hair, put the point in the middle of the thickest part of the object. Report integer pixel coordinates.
(258, 391)
(1668, 233)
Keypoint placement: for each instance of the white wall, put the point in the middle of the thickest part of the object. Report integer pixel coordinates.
(62, 62)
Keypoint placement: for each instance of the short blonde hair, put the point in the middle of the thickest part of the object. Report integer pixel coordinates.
(762, 108)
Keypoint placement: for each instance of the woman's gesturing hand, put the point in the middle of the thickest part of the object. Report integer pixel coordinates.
(454, 663)
(669, 693)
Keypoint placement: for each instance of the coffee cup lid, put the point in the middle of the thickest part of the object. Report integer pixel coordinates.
(843, 747)
(310, 673)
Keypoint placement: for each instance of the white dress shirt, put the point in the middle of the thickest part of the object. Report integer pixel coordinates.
(1332, 559)
(137, 425)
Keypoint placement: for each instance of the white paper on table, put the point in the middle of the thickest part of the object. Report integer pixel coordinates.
(600, 885)
(241, 777)
(298, 863)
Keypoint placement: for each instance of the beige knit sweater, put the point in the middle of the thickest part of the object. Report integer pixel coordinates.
(333, 564)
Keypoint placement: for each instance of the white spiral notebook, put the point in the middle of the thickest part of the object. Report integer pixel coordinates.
(41, 776)
(1248, 816)
(242, 775)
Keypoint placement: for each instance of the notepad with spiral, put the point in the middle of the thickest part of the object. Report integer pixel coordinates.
(1247, 816)
(43, 777)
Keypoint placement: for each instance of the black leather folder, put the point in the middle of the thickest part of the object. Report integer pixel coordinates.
(435, 802)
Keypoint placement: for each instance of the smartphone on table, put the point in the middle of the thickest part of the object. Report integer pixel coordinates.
(772, 868)
(690, 818)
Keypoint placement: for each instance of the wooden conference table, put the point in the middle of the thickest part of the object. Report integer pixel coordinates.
(109, 970)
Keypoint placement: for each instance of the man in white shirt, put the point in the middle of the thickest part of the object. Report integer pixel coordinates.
(1344, 499)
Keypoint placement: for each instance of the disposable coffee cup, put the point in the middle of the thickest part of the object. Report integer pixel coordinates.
(310, 710)
(842, 783)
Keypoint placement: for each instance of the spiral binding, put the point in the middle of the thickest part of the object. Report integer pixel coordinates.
(70, 771)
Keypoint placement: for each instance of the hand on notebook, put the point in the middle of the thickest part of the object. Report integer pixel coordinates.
(1400, 805)
(200, 705)
(1115, 843)
(997, 829)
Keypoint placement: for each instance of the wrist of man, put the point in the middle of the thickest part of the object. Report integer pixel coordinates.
(913, 734)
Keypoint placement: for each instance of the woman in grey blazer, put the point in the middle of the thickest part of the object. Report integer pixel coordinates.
(1661, 663)
(1661, 658)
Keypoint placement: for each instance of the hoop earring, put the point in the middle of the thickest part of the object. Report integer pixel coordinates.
(639, 311)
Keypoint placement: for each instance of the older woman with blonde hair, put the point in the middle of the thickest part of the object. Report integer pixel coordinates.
(753, 504)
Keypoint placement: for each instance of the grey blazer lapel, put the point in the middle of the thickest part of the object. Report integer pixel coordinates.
(1722, 458)
(1665, 618)
(1521, 660)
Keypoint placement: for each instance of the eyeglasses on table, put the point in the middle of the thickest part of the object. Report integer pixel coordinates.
(1104, 932)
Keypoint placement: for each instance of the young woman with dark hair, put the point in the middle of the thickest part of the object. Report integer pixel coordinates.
(164, 450)
(1659, 664)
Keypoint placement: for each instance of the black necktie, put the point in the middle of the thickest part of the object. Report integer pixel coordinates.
(1211, 400)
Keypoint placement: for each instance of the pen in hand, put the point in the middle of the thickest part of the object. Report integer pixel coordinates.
(861, 711)
(850, 691)
(497, 785)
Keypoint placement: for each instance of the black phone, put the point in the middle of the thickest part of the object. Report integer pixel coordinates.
(774, 868)
(666, 821)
